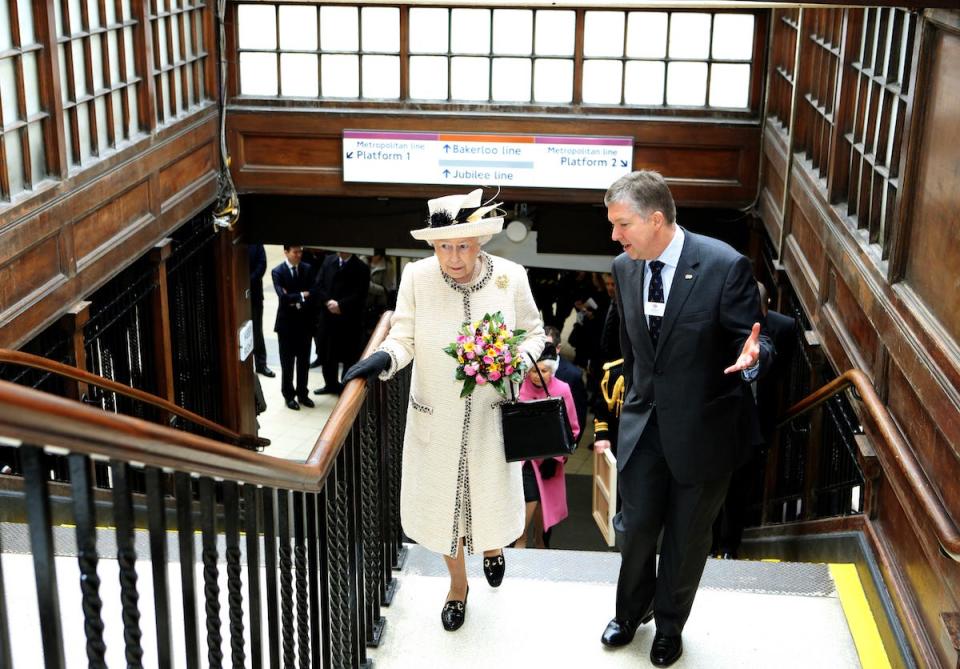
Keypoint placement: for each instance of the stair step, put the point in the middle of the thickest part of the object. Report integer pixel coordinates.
(553, 606)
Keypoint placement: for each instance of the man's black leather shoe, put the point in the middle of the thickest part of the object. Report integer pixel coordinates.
(328, 390)
(665, 650)
(307, 402)
(292, 404)
(267, 372)
(620, 632)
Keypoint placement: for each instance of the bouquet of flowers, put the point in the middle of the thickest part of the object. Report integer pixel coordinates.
(486, 353)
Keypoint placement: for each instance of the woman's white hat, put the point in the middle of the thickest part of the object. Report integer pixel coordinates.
(458, 217)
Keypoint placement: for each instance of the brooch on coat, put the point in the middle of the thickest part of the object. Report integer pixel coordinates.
(503, 281)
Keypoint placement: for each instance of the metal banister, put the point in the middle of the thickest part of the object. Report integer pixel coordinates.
(37, 417)
(896, 450)
(53, 367)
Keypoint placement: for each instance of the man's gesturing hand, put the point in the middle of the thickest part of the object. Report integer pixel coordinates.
(750, 353)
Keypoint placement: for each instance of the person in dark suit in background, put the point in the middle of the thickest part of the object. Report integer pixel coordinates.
(258, 267)
(341, 295)
(570, 374)
(294, 325)
(747, 481)
(688, 309)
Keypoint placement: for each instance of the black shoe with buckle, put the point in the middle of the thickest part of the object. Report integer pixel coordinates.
(665, 650)
(454, 613)
(494, 568)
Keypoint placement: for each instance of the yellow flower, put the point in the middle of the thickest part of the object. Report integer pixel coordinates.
(460, 359)
(468, 346)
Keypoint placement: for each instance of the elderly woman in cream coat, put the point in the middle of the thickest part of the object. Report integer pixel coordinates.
(457, 490)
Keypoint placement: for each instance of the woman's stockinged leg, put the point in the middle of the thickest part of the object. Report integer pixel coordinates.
(522, 540)
(458, 574)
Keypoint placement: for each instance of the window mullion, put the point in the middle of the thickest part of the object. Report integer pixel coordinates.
(578, 29)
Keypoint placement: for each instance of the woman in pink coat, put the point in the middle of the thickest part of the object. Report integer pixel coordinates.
(544, 483)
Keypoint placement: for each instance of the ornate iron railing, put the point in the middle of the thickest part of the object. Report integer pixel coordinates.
(315, 562)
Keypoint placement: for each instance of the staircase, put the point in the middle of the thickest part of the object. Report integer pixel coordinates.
(553, 605)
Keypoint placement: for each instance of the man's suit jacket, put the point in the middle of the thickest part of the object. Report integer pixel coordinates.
(348, 285)
(294, 314)
(707, 419)
(771, 400)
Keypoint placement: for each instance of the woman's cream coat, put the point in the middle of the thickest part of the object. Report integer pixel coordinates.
(455, 481)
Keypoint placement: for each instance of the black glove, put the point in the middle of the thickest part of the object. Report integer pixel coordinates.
(548, 468)
(369, 366)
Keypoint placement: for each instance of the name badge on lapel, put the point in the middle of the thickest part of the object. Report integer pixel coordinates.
(654, 308)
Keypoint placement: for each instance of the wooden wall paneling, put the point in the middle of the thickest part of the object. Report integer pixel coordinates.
(160, 308)
(72, 323)
(30, 274)
(934, 451)
(845, 306)
(143, 49)
(116, 218)
(239, 411)
(179, 178)
(299, 152)
(915, 559)
(915, 636)
(115, 211)
(49, 76)
(933, 253)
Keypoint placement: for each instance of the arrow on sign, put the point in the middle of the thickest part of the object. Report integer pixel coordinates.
(446, 173)
(446, 148)
(349, 154)
(623, 163)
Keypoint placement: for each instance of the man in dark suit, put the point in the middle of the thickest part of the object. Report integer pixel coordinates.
(258, 267)
(688, 309)
(341, 294)
(294, 324)
(746, 483)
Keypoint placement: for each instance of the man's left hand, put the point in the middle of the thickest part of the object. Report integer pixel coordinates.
(750, 353)
(333, 306)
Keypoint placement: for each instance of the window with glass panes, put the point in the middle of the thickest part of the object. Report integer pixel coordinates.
(498, 56)
(329, 51)
(23, 118)
(179, 55)
(651, 59)
(98, 78)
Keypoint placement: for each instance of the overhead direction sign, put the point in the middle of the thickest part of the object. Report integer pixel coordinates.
(530, 161)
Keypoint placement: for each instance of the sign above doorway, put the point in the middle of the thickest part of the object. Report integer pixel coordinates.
(485, 159)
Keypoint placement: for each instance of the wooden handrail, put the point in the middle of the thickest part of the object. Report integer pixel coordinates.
(83, 376)
(897, 449)
(40, 418)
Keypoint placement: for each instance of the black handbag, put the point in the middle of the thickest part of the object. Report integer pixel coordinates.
(536, 429)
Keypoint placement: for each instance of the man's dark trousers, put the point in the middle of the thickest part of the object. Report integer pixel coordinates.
(685, 512)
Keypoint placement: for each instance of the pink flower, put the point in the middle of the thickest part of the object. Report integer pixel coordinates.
(488, 360)
(480, 380)
(470, 355)
(494, 376)
(479, 341)
(469, 370)
(507, 357)
(461, 339)
(509, 370)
